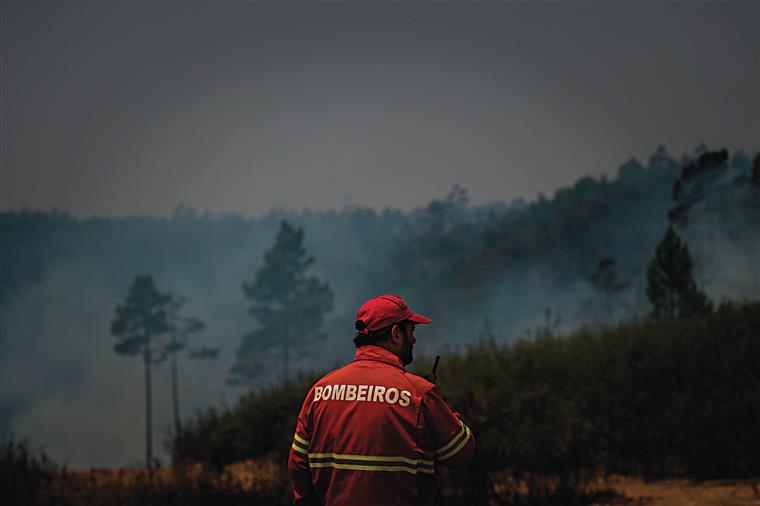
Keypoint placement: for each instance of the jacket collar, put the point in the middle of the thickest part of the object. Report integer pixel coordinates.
(380, 354)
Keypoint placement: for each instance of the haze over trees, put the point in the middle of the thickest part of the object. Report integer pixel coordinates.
(716, 208)
(180, 328)
(138, 323)
(670, 284)
(608, 287)
(461, 264)
(289, 304)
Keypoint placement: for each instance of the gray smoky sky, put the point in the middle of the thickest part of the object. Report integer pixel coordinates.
(121, 108)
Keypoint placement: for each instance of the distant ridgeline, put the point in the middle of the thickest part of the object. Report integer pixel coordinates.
(503, 269)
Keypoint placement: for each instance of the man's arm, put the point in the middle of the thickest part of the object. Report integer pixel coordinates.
(298, 461)
(454, 443)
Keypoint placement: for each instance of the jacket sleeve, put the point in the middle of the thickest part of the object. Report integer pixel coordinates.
(298, 460)
(453, 441)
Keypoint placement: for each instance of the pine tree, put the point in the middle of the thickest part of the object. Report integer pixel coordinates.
(180, 329)
(670, 284)
(138, 324)
(289, 305)
(607, 284)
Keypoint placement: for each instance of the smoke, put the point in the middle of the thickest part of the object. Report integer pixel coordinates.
(63, 387)
(78, 398)
(717, 210)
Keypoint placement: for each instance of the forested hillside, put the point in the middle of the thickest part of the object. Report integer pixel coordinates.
(501, 270)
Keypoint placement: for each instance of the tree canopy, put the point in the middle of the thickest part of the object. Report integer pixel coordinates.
(289, 304)
(670, 284)
(139, 321)
(141, 317)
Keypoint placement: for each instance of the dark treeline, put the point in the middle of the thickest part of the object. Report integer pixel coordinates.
(471, 268)
(668, 398)
(440, 251)
(513, 267)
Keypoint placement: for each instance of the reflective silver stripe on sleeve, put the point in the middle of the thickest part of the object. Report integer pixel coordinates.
(300, 444)
(371, 463)
(455, 445)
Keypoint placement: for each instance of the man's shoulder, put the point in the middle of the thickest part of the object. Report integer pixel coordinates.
(420, 384)
(332, 374)
(346, 373)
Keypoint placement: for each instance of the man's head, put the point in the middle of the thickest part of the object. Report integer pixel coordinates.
(387, 321)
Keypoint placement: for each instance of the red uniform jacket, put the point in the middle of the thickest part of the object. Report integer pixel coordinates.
(371, 433)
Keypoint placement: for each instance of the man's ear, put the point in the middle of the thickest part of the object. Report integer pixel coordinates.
(396, 334)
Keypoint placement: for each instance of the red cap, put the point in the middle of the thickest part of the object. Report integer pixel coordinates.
(385, 310)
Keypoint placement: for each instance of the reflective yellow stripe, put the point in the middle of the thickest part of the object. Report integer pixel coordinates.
(301, 440)
(299, 449)
(458, 447)
(451, 443)
(356, 467)
(372, 458)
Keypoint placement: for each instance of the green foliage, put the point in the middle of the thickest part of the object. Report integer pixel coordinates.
(289, 305)
(607, 285)
(661, 398)
(670, 284)
(180, 328)
(261, 424)
(698, 179)
(141, 317)
(716, 205)
(557, 240)
(138, 323)
(657, 398)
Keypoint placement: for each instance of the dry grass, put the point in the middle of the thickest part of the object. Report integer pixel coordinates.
(249, 475)
(256, 475)
(684, 492)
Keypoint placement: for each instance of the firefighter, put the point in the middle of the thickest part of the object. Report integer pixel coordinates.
(371, 433)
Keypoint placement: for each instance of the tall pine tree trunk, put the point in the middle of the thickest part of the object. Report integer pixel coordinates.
(175, 391)
(148, 410)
